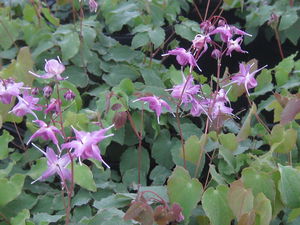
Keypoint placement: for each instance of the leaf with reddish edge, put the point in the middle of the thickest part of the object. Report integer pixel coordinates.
(120, 119)
(291, 109)
(140, 211)
(184, 190)
(240, 199)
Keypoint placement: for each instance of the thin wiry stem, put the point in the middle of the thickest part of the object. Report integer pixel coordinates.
(279, 43)
(206, 10)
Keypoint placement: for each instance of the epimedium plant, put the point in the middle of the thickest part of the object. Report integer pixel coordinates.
(180, 150)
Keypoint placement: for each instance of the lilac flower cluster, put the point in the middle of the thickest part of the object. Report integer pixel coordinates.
(188, 93)
(84, 145)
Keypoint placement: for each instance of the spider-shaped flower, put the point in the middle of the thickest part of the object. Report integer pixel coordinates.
(56, 164)
(86, 144)
(46, 132)
(156, 104)
(53, 68)
(8, 89)
(26, 105)
(186, 91)
(183, 57)
(245, 77)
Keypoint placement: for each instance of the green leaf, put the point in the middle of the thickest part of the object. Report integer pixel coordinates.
(127, 86)
(184, 190)
(288, 19)
(215, 175)
(289, 186)
(159, 175)
(152, 78)
(10, 189)
(82, 197)
(283, 69)
(130, 177)
(120, 54)
(193, 147)
(215, 205)
(281, 140)
(264, 80)
(5, 138)
(139, 40)
(161, 149)
(294, 214)
(69, 44)
(263, 209)
(259, 181)
(246, 128)
(50, 17)
(240, 199)
(122, 15)
(120, 72)
(77, 120)
(229, 141)
(19, 68)
(77, 76)
(114, 201)
(38, 168)
(45, 218)
(23, 201)
(229, 159)
(9, 32)
(20, 218)
(7, 170)
(83, 177)
(130, 158)
(157, 36)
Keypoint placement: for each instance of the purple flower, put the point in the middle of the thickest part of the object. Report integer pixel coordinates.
(47, 91)
(216, 54)
(8, 89)
(69, 95)
(93, 5)
(186, 90)
(226, 32)
(86, 144)
(218, 108)
(199, 107)
(200, 42)
(55, 165)
(245, 77)
(46, 132)
(183, 57)
(156, 104)
(206, 26)
(26, 105)
(53, 68)
(235, 45)
(54, 106)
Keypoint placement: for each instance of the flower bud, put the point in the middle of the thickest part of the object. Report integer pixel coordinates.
(216, 54)
(93, 5)
(47, 91)
(273, 21)
(206, 26)
(221, 23)
(69, 95)
(35, 91)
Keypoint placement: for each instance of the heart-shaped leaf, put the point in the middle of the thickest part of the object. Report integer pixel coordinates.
(184, 190)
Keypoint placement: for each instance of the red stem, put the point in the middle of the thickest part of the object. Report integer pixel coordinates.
(279, 43)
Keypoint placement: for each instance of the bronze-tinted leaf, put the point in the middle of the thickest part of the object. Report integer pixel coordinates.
(290, 111)
(120, 119)
(140, 212)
